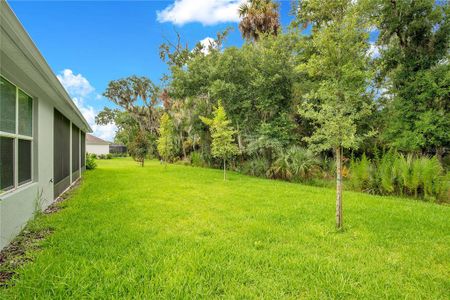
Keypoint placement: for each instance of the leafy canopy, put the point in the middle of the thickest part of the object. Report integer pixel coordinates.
(222, 132)
(166, 138)
(339, 98)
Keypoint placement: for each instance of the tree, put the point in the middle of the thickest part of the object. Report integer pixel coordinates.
(166, 138)
(127, 126)
(223, 145)
(139, 147)
(140, 97)
(258, 17)
(338, 100)
(414, 68)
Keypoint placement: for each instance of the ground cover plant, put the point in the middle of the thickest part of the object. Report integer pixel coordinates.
(182, 232)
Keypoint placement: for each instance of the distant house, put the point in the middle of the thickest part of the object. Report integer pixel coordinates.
(96, 145)
(42, 133)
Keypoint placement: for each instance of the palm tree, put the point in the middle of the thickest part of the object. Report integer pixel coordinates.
(258, 16)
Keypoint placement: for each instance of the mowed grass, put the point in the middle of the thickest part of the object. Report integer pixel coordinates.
(182, 232)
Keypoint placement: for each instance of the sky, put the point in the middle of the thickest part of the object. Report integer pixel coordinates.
(89, 43)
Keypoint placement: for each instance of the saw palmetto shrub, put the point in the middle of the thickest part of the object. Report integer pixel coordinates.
(399, 174)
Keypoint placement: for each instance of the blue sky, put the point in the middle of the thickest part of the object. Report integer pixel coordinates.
(98, 41)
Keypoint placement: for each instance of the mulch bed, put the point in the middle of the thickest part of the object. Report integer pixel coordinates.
(15, 254)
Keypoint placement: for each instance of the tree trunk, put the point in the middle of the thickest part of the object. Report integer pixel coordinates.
(339, 217)
(142, 163)
(224, 170)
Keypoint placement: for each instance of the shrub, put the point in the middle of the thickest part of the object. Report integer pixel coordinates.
(410, 175)
(360, 174)
(295, 163)
(90, 161)
(197, 159)
(101, 156)
(302, 163)
(255, 167)
(109, 156)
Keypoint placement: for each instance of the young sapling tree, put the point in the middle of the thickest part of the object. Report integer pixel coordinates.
(223, 145)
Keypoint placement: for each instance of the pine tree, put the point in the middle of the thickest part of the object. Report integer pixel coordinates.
(223, 145)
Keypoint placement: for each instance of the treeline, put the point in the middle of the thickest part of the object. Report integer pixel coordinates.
(363, 93)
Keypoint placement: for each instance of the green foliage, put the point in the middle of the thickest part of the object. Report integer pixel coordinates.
(127, 126)
(413, 67)
(303, 163)
(139, 148)
(198, 160)
(223, 145)
(338, 100)
(257, 166)
(360, 173)
(295, 163)
(166, 138)
(139, 97)
(394, 173)
(90, 161)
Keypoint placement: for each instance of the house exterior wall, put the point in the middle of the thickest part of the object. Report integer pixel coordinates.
(97, 149)
(22, 65)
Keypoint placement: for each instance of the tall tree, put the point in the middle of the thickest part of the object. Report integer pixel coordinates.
(414, 44)
(127, 127)
(223, 145)
(338, 100)
(258, 17)
(166, 138)
(140, 97)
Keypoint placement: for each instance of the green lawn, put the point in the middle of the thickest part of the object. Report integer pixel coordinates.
(182, 232)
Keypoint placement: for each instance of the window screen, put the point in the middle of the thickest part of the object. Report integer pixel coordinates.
(7, 106)
(75, 148)
(83, 149)
(25, 114)
(6, 163)
(61, 147)
(24, 161)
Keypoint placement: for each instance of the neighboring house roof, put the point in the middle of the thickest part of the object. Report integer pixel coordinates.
(19, 50)
(93, 140)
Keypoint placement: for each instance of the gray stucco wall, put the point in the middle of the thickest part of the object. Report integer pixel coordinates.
(23, 65)
(16, 208)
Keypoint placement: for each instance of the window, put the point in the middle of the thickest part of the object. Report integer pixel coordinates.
(6, 163)
(16, 136)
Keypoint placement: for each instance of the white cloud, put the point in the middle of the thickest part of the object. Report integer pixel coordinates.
(207, 12)
(208, 42)
(76, 85)
(81, 90)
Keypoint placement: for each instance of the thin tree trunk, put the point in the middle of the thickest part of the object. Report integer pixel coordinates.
(142, 163)
(339, 217)
(224, 170)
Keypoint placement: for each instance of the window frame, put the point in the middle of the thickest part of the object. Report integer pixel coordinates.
(16, 137)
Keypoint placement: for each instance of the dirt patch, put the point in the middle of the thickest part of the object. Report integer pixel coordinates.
(17, 252)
